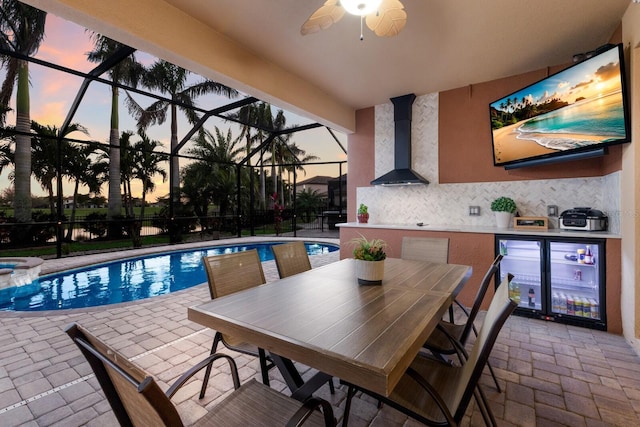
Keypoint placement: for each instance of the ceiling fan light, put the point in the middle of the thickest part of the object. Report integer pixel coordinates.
(360, 7)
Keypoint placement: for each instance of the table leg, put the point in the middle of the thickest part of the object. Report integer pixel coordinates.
(300, 390)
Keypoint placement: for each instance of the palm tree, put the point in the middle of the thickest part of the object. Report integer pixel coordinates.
(255, 117)
(44, 153)
(126, 170)
(170, 79)
(83, 170)
(146, 164)
(128, 72)
(294, 157)
(21, 31)
(214, 177)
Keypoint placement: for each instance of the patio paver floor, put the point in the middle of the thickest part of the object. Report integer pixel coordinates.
(551, 374)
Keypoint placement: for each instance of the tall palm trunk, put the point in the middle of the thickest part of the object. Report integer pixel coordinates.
(72, 218)
(51, 197)
(175, 164)
(115, 198)
(22, 198)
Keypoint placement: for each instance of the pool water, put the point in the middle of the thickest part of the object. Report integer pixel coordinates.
(129, 279)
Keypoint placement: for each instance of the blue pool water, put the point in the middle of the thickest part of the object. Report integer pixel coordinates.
(127, 280)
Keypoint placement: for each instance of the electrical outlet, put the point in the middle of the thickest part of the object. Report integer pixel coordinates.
(552, 210)
(474, 210)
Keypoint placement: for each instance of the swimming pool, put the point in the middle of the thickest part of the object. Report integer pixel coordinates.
(129, 279)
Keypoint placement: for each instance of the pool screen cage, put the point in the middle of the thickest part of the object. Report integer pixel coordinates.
(247, 201)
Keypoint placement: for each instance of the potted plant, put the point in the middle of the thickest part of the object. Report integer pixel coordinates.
(369, 255)
(363, 214)
(504, 208)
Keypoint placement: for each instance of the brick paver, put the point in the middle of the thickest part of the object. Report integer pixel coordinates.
(551, 374)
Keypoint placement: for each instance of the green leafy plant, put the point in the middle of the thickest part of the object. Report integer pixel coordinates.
(363, 209)
(368, 249)
(503, 204)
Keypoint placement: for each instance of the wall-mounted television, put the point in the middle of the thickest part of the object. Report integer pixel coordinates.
(575, 113)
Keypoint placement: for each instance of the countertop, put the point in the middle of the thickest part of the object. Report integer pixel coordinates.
(552, 232)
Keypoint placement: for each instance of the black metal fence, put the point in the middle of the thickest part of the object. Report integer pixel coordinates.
(96, 228)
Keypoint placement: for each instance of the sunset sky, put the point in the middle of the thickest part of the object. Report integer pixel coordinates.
(52, 93)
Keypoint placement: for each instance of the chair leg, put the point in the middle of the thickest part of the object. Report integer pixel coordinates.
(207, 371)
(483, 405)
(347, 406)
(494, 377)
(263, 366)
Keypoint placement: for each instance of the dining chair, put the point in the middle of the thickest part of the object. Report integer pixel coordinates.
(228, 274)
(137, 399)
(291, 258)
(436, 393)
(432, 249)
(444, 337)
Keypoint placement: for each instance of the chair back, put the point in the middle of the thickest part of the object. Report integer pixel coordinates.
(477, 302)
(136, 399)
(291, 258)
(230, 273)
(499, 310)
(430, 249)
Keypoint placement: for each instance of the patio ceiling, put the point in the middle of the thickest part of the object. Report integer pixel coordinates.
(256, 46)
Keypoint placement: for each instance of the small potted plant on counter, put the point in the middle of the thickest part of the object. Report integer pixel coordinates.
(504, 208)
(363, 214)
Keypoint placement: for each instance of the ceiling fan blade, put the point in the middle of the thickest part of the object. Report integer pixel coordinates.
(323, 18)
(389, 20)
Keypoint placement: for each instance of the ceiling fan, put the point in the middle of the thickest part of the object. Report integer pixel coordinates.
(386, 18)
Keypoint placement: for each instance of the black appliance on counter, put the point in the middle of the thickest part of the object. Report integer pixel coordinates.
(584, 219)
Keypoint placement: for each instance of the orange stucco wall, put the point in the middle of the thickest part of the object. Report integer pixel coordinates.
(361, 165)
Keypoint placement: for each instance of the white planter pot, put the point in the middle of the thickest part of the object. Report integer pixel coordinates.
(369, 272)
(503, 219)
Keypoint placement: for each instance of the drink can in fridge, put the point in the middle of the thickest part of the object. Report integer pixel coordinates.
(578, 306)
(595, 309)
(586, 308)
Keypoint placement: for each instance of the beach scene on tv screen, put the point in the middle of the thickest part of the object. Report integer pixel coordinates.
(579, 107)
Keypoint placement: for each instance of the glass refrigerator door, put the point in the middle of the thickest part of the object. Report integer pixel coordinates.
(523, 259)
(574, 277)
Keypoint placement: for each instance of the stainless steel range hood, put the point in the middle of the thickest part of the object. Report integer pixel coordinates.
(402, 174)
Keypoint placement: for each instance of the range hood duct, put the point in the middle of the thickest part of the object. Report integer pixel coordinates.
(402, 174)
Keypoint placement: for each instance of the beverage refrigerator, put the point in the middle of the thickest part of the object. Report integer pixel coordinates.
(556, 278)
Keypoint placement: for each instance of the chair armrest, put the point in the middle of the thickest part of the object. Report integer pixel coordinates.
(307, 409)
(457, 345)
(201, 365)
(462, 307)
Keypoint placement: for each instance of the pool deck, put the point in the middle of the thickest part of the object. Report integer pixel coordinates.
(551, 374)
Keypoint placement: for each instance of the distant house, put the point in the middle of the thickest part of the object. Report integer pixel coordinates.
(317, 183)
(337, 193)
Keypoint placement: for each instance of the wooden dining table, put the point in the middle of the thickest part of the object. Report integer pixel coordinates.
(322, 318)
